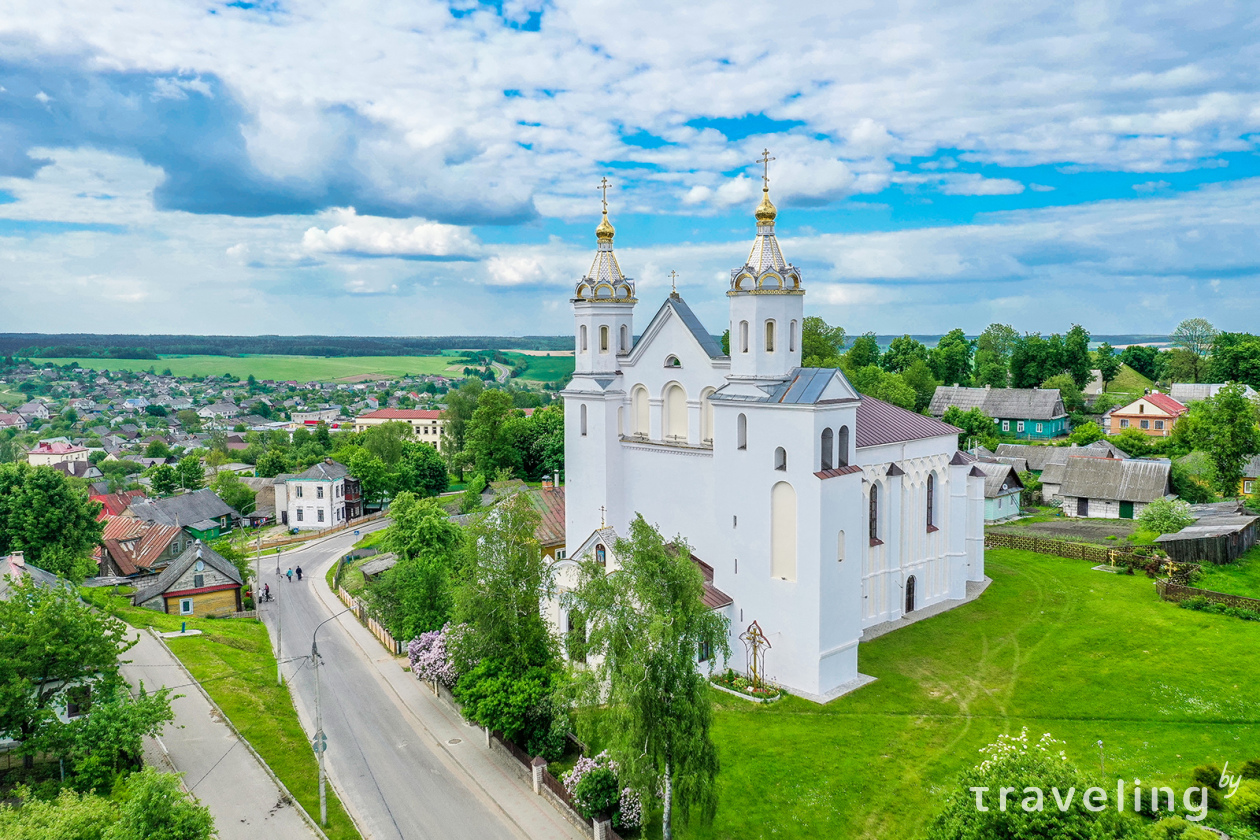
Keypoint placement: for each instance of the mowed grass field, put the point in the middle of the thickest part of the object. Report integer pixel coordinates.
(1053, 646)
(1240, 578)
(544, 368)
(232, 660)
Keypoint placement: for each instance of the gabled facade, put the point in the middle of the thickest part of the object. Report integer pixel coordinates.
(198, 582)
(324, 496)
(817, 512)
(1029, 413)
(1152, 414)
(426, 424)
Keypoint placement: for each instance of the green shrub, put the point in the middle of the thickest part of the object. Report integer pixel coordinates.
(1245, 803)
(1177, 828)
(1251, 769)
(1165, 516)
(1209, 776)
(597, 793)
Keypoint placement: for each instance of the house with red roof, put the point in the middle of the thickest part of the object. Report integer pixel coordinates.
(1153, 414)
(113, 504)
(49, 454)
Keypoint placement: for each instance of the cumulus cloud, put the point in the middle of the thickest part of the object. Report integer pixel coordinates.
(373, 236)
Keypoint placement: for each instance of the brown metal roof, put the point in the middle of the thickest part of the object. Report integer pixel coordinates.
(839, 471)
(549, 502)
(879, 423)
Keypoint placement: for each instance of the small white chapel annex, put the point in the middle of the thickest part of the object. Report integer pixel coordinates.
(813, 510)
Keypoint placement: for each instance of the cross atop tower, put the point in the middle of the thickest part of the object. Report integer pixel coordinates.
(764, 160)
(602, 510)
(673, 282)
(604, 184)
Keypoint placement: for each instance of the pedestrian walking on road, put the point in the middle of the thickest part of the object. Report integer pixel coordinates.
(290, 574)
(299, 573)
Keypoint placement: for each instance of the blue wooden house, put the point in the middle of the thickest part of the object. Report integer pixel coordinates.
(1029, 413)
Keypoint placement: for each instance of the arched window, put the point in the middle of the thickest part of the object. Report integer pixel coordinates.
(601, 556)
(582, 338)
(842, 447)
(671, 361)
(603, 339)
(743, 336)
(783, 531)
(769, 336)
(675, 421)
(639, 405)
(780, 458)
(741, 432)
(582, 414)
(792, 337)
(621, 420)
(625, 339)
(875, 514)
(931, 502)
(826, 449)
(706, 416)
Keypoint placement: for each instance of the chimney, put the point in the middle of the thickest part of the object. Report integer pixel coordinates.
(556, 478)
(328, 460)
(987, 387)
(546, 483)
(18, 559)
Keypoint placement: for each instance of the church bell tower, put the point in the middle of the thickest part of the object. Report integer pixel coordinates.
(767, 302)
(603, 306)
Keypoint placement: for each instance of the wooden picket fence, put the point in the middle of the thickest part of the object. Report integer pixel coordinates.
(1175, 592)
(378, 630)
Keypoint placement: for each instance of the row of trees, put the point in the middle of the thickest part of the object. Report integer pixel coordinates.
(485, 432)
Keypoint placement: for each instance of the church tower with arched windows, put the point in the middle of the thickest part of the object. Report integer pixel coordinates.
(767, 304)
(603, 307)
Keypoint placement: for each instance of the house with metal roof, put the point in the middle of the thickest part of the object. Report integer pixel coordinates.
(1109, 488)
(1188, 392)
(1153, 414)
(198, 582)
(201, 513)
(1002, 487)
(1032, 413)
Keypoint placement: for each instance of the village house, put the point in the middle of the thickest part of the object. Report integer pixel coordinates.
(1152, 414)
(201, 513)
(1033, 413)
(198, 582)
(1109, 488)
(219, 410)
(1002, 487)
(131, 547)
(1188, 392)
(12, 421)
(315, 417)
(323, 496)
(34, 410)
(48, 454)
(426, 424)
(1251, 476)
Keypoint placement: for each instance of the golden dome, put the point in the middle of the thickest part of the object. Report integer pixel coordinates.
(605, 230)
(765, 211)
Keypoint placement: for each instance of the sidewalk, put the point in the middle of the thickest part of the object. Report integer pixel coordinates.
(218, 768)
(463, 743)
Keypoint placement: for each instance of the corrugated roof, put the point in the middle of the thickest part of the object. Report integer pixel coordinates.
(999, 479)
(179, 565)
(325, 470)
(402, 414)
(1161, 401)
(1113, 480)
(880, 423)
(1000, 403)
(183, 510)
(549, 502)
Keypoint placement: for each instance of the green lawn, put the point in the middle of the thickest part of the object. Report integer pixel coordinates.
(1051, 645)
(280, 368)
(1241, 578)
(1129, 381)
(11, 399)
(232, 659)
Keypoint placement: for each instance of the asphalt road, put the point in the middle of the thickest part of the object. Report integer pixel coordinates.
(396, 784)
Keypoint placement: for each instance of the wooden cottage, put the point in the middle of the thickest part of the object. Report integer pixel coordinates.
(1221, 534)
(198, 582)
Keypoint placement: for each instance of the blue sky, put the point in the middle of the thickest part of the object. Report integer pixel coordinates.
(277, 167)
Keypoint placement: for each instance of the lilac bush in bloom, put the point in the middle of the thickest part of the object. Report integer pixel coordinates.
(629, 810)
(429, 659)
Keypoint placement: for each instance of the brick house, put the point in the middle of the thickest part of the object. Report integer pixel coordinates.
(198, 582)
(1153, 414)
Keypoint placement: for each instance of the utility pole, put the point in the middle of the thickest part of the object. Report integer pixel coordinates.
(320, 741)
(279, 626)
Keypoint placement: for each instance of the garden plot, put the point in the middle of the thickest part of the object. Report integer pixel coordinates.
(1075, 530)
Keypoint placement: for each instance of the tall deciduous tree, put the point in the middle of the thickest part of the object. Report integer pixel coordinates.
(421, 470)
(235, 493)
(864, 352)
(1195, 336)
(821, 344)
(48, 519)
(1107, 362)
(386, 440)
(903, 352)
(190, 473)
(374, 477)
(414, 596)
(977, 428)
(1235, 358)
(1227, 432)
(486, 436)
(647, 626)
(951, 358)
(993, 354)
(1077, 360)
(1143, 359)
(460, 405)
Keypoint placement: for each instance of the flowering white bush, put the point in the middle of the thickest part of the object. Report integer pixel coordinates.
(630, 808)
(429, 659)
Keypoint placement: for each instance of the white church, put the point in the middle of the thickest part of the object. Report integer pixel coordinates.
(811, 509)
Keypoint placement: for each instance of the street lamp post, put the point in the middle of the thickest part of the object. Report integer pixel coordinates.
(320, 742)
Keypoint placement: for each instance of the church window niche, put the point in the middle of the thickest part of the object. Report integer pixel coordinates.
(621, 420)
(582, 417)
(827, 436)
(743, 336)
(601, 556)
(931, 502)
(783, 531)
(603, 339)
(840, 547)
(582, 338)
(639, 405)
(780, 459)
(875, 540)
(842, 448)
(671, 361)
(675, 413)
(769, 336)
(625, 339)
(706, 416)
(792, 337)
(741, 432)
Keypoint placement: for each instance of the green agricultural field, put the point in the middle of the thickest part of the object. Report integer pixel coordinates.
(544, 368)
(280, 368)
(11, 399)
(1052, 646)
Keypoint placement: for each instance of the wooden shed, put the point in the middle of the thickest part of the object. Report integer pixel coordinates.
(1222, 533)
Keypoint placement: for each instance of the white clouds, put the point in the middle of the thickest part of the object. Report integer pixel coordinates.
(379, 237)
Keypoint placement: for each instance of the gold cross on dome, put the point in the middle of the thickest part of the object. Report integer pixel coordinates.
(604, 184)
(673, 282)
(602, 511)
(764, 160)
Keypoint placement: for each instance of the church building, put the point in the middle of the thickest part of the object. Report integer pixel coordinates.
(811, 509)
